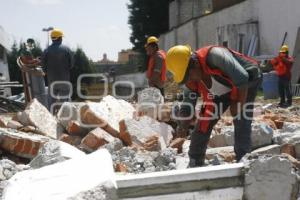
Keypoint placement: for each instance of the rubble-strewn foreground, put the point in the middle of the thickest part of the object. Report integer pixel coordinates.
(139, 141)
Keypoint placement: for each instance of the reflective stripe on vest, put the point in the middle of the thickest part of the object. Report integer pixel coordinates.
(151, 65)
(207, 99)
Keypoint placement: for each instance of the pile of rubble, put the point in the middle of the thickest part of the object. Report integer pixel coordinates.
(139, 136)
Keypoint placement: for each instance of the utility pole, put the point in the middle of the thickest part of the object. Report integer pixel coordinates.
(50, 28)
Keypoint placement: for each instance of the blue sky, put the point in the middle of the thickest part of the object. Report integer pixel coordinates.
(97, 26)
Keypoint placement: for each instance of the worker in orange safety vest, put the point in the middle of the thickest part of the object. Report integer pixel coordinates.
(282, 65)
(224, 78)
(156, 69)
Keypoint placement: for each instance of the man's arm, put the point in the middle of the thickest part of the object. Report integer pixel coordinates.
(288, 60)
(44, 60)
(223, 59)
(186, 112)
(155, 80)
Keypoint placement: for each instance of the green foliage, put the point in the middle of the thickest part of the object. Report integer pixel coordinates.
(82, 65)
(147, 17)
(14, 70)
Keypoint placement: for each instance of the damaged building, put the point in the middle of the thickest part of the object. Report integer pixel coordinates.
(252, 27)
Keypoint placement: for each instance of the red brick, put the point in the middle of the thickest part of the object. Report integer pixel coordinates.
(124, 135)
(88, 117)
(21, 144)
(293, 160)
(279, 124)
(288, 149)
(95, 139)
(70, 139)
(177, 144)
(151, 144)
(120, 167)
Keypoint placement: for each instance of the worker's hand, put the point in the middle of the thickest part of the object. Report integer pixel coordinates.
(181, 132)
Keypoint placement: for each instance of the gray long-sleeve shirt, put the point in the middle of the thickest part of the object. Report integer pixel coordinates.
(57, 61)
(234, 68)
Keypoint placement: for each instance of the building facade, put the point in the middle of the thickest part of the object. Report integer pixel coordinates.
(4, 73)
(253, 27)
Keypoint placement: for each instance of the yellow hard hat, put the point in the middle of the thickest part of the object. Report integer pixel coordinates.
(284, 49)
(151, 39)
(177, 61)
(56, 33)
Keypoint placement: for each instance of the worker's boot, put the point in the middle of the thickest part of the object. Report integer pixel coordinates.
(195, 163)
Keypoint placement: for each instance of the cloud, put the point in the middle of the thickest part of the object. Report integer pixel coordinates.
(45, 2)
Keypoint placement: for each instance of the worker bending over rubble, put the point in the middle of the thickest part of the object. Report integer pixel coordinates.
(156, 71)
(282, 65)
(224, 78)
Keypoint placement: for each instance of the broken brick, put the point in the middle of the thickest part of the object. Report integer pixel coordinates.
(70, 139)
(279, 124)
(22, 144)
(288, 149)
(177, 144)
(120, 167)
(75, 128)
(95, 139)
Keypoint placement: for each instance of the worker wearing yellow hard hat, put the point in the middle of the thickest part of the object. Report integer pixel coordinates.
(282, 64)
(56, 34)
(57, 60)
(224, 78)
(284, 49)
(156, 67)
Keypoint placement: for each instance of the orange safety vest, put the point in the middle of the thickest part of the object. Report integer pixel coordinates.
(281, 68)
(151, 65)
(202, 89)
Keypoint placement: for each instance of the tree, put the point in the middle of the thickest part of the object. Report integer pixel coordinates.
(14, 70)
(147, 17)
(82, 65)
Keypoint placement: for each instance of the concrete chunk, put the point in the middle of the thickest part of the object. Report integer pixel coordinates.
(68, 112)
(53, 152)
(141, 130)
(4, 119)
(106, 114)
(63, 180)
(38, 116)
(270, 178)
(25, 145)
(150, 101)
(14, 124)
(227, 153)
(271, 149)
